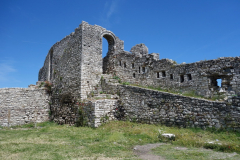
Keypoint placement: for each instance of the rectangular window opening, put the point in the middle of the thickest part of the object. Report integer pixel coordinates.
(163, 74)
(189, 76)
(171, 76)
(125, 65)
(120, 63)
(143, 69)
(181, 78)
(132, 65)
(157, 74)
(216, 82)
(133, 75)
(219, 82)
(139, 70)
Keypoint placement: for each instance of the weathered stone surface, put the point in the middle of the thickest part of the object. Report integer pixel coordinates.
(23, 105)
(149, 106)
(78, 72)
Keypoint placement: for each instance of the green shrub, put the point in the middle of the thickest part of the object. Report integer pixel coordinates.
(48, 86)
(82, 119)
(125, 83)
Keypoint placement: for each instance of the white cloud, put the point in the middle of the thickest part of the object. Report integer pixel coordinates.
(109, 9)
(112, 8)
(5, 69)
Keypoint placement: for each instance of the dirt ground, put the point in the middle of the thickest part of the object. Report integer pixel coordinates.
(145, 152)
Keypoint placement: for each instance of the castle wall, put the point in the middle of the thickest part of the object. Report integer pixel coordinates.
(150, 106)
(64, 110)
(75, 63)
(75, 67)
(201, 76)
(23, 105)
(92, 62)
(62, 65)
(102, 111)
(53, 58)
(67, 70)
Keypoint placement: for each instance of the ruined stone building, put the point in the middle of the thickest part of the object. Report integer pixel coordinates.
(78, 73)
(78, 60)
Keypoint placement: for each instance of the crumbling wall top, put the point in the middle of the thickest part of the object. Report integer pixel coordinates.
(139, 50)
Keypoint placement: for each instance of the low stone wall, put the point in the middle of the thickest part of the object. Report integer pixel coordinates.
(150, 106)
(23, 105)
(63, 109)
(101, 111)
(67, 110)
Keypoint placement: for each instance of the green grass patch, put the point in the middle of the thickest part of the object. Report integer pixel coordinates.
(190, 93)
(182, 153)
(112, 140)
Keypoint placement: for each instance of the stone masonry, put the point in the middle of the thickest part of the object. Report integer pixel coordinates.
(23, 105)
(155, 107)
(76, 68)
(86, 84)
(75, 65)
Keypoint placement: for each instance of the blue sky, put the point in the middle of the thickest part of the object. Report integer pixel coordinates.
(182, 30)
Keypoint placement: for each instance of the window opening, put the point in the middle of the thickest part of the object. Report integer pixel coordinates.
(132, 65)
(133, 75)
(189, 76)
(125, 65)
(216, 82)
(107, 48)
(104, 47)
(120, 63)
(143, 69)
(139, 70)
(181, 78)
(163, 74)
(219, 82)
(171, 76)
(157, 74)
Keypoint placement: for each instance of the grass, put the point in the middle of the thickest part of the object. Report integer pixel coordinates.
(112, 140)
(181, 153)
(190, 93)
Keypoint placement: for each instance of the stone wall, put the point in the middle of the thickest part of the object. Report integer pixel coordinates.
(148, 70)
(63, 109)
(150, 106)
(95, 112)
(101, 111)
(23, 105)
(75, 66)
(92, 62)
(53, 57)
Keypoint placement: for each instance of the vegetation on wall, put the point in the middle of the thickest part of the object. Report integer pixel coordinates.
(48, 86)
(82, 117)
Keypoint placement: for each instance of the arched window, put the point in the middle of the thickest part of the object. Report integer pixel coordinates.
(104, 47)
(107, 44)
(107, 49)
